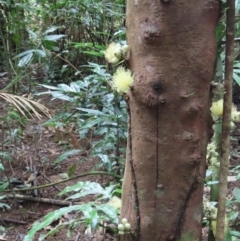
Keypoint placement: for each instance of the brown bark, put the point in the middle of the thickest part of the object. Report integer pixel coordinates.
(172, 54)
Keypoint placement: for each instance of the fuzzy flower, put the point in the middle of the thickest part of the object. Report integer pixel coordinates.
(217, 108)
(235, 115)
(125, 49)
(115, 202)
(113, 53)
(122, 80)
(217, 111)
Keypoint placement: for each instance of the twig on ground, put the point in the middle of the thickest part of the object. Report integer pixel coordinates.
(43, 200)
(8, 220)
(63, 181)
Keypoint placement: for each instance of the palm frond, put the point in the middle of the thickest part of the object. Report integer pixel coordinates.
(25, 105)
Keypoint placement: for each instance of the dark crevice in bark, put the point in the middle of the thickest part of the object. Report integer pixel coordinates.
(157, 154)
(138, 221)
(184, 208)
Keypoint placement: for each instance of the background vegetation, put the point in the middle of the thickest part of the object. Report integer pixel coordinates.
(57, 48)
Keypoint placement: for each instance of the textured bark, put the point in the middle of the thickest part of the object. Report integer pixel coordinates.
(172, 54)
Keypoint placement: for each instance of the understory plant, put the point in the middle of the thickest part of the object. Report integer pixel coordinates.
(103, 210)
(98, 112)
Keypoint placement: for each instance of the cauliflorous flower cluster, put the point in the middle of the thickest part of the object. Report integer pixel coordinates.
(115, 202)
(210, 212)
(217, 111)
(217, 108)
(122, 80)
(212, 154)
(115, 52)
(124, 226)
(235, 115)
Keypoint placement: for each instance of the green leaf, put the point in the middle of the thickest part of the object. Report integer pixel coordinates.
(82, 189)
(27, 52)
(50, 87)
(236, 71)
(237, 64)
(234, 216)
(54, 37)
(59, 95)
(72, 169)
(104, 158)
(40, 53)
(91, 189)
(94, 53)
(3, 187)
(77, 187)
(238, 176)
(4, 205)
(236, 193)
(4, 2)
(91, 111)
(32, 34)
(93, 218)
(66, 88)
(235, 233)
(110, 211)
(66, 155)
(5, 155)
(50, 30)
(236, 78)
(49, 218)
(82, 45)
(75, 87)
(25, 60)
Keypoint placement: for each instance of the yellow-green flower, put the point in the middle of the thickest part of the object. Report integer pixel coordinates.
(122, 80)
(235, 115)
(115, 202)
(113, 53)
(217, 108)
(217, 111)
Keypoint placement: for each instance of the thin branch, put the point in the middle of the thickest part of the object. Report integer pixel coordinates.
(221, 223)
(9, 220)
(42, 200)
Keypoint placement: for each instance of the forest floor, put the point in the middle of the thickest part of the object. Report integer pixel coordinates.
(37, 150)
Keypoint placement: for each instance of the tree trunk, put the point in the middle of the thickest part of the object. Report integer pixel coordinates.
(172, 55)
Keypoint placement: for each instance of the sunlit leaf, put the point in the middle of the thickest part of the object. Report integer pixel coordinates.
(65, 155)
(50, 30)
(49, 218)
(25, 60)
(54, 37)
(236, 78)
(236, 193)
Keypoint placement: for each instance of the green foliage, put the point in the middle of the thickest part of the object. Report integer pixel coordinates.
(61, 35)
(66, 155)
(92, 213)
(233, 205)
(98, 111)
(43, 41)
(82, 189)
(3, 184)
(220, 36)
